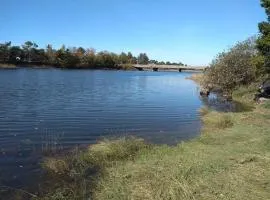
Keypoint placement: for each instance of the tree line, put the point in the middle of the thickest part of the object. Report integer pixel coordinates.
(244, 63)
(72, 57)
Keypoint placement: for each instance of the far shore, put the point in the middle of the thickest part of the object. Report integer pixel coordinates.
(125, 67)
(7, 66)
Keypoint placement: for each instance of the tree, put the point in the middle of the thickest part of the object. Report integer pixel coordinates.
(66, 59)
(234, 67)
(263, 42)
(89, 59)
(39, 56)
(143, 59)
(28, 48)
(105, 59)
(80, 52)
(16, 54)
(123, 58)
(180, 63)
(50, 53)
(4, 52)
(153, 62)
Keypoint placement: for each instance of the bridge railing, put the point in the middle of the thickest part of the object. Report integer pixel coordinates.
(177, 67)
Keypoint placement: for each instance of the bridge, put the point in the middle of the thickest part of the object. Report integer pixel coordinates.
(168, 67)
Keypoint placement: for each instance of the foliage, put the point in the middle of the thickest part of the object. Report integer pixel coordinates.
(4, 51)
(263, 42)
(72, 57)
(235, 67)
(165, 63)
(143, 59)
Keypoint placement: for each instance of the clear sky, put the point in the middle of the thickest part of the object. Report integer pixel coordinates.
(191, 31)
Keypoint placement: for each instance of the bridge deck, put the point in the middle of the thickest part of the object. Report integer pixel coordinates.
(169, 67)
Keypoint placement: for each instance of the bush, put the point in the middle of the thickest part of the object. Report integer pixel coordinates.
(235, 67)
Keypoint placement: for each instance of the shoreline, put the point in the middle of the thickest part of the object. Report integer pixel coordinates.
(125, 67)
(205, 166)
(43, 66)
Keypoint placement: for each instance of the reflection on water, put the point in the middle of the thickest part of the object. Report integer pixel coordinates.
(221, 104)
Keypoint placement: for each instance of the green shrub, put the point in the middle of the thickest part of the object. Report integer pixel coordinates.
(234, 67)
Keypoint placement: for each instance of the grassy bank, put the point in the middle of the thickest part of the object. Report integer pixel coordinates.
(230, 160)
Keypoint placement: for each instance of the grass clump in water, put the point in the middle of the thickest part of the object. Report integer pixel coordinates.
(107, 151)
(56, 165)
(74, 176)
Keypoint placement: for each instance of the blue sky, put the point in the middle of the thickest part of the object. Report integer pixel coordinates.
(191, 31)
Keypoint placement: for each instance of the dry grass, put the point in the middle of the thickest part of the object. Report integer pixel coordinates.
(197, 77)
(56, 165)
(7, 66)
(204, 111)
(216, 120)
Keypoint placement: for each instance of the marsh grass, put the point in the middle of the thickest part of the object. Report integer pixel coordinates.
(198, 78)
(7, 66)
(216, 120)
(204, 111)
(75, 175)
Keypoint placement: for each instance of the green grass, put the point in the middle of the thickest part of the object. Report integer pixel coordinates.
(266, 105)
(245, 94)
(230, 160)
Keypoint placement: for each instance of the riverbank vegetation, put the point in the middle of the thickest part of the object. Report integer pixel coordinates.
(244, 63)
(7, 66)
(29, 54)
(239, 66)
